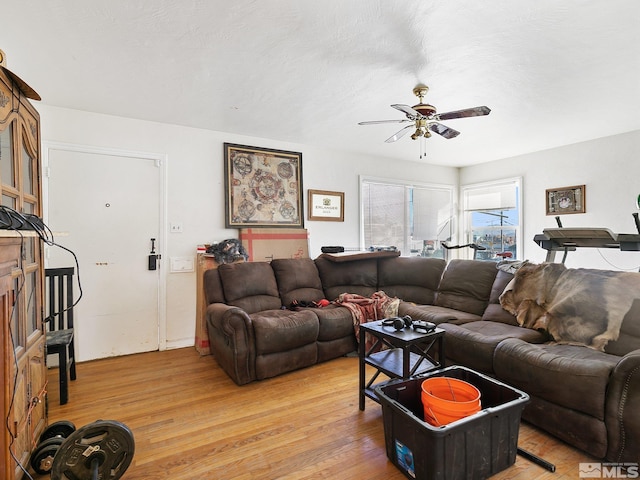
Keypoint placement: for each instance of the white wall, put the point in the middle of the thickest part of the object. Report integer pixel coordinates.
(195, 189)
(610, 169)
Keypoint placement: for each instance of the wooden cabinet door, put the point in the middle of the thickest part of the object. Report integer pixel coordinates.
(27, 413)
(18, 418)
(22, 346)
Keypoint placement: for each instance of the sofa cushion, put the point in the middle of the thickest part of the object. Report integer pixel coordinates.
(472, 344)
(273, 364)
(297, 279)
(576, 428)
(466, 285)
(357, 276)
(572, 376)
(629, 338)
(213, 286)
(335, 322)
(251, 286)
(336, 348)
(282, 330)
(494, 311)
(413, 279)
(435, 314)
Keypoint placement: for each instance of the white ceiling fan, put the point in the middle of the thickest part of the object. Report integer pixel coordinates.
(424, 119)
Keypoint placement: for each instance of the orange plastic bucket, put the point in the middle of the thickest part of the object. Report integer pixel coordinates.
(446, 400)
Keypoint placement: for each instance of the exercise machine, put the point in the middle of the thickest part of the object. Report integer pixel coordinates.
(566, 240)
(473, 246)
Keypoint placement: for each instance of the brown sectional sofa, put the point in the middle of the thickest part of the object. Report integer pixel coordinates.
(585, 397)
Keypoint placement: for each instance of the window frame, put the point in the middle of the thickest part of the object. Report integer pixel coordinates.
(465, 215)
(452, 189)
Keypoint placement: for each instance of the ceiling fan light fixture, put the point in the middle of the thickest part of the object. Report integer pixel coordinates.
(425, 118)
(425, 109)
(420, 91)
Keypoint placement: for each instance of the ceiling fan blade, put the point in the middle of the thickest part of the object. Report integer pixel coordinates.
(443, 130)
(406, 109)
(374, 122)
(467, 112)
(399, 135)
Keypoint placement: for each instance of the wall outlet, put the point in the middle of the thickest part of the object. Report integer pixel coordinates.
(175, 228)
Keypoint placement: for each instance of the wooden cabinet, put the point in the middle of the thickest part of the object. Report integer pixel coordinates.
(204, 262)
(22, 407)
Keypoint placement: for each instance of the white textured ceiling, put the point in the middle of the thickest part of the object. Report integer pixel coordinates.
(553, 72)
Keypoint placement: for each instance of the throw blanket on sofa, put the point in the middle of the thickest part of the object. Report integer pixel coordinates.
(575, 306)
(364, 309)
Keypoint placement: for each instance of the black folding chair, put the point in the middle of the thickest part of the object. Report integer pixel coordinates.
(59, 320)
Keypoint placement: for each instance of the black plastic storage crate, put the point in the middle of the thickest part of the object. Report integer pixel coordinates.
(472, 448)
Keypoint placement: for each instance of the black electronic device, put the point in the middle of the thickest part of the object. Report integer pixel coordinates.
(11, 219)
(153, 256)
(332, 249)
(400, 323)
(422, 326)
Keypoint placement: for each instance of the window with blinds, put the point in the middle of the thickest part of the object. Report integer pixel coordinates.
(491, 218)
(413, 218)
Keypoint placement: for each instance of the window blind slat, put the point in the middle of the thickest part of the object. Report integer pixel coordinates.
(406, 216)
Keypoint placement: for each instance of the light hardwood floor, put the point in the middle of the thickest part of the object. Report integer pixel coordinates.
(190, 421)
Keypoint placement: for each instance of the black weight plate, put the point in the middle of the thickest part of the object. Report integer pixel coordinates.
(51, 441)
(63, 429)
(108, 442)
(43, 457)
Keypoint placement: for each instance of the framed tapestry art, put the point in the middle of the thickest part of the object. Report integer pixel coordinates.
(566, 200)
(263, 187)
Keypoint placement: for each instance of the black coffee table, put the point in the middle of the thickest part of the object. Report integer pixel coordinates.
(408, 354)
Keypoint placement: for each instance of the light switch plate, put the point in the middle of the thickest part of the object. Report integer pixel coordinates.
(181, 264)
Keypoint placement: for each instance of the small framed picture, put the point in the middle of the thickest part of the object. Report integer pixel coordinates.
(565, 200)
(325, 205)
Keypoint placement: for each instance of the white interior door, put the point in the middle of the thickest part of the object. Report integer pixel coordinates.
(109, 207)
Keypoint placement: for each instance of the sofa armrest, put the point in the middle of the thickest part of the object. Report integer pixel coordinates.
(232, 342)
(621, 414)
